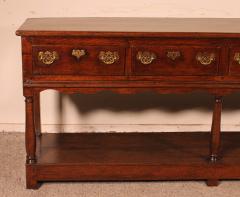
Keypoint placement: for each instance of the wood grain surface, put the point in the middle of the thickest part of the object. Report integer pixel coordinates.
(124, 26)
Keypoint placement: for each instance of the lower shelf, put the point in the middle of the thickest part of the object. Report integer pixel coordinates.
(134, 156)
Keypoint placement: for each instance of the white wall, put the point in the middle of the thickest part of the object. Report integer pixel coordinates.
(102, 112)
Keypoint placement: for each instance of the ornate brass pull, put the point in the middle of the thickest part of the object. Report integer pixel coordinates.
(237, 57)
(47, 57)
(108, 57)
(173, 55)
(145, 57)
(205, 58)
(78, 53)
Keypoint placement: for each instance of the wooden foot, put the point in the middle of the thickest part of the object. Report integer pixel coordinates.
(31, 182)
(212, 182)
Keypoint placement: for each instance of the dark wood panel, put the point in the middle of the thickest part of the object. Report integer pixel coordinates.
(136, 148)
(129, 149)
(88, 64)
(234, 61)
(85, 41)
(73, 172)
(185, 63)
(188, 79)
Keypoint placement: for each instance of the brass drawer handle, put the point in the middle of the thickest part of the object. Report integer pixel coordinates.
(78, 53)
(173, 55)
(47, 57)
(145, 57)
(108, 57)
(205, 58)
(237, 57)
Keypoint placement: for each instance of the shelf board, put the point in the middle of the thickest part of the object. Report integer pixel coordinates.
(135, 156)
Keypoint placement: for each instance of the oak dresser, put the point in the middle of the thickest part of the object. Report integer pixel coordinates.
(128, 56)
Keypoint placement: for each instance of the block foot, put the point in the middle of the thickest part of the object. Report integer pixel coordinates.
(212, 182)
(32, 184)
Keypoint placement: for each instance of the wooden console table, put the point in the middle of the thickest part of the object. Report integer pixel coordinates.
(126, 56)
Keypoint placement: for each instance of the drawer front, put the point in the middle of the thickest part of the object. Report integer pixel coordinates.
(175, 60)
(234, 65)
(78, 60)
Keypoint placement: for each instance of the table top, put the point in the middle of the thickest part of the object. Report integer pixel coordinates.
(120, 26)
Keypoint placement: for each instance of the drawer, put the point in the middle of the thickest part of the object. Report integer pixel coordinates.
(234, 65)
(175, 60)
(78, 60)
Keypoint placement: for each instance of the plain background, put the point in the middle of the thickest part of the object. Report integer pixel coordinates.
(106, 111)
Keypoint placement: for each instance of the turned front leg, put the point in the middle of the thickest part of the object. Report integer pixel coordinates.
(37, 114)
(30, 136)
(216, 130)
(215, 140)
